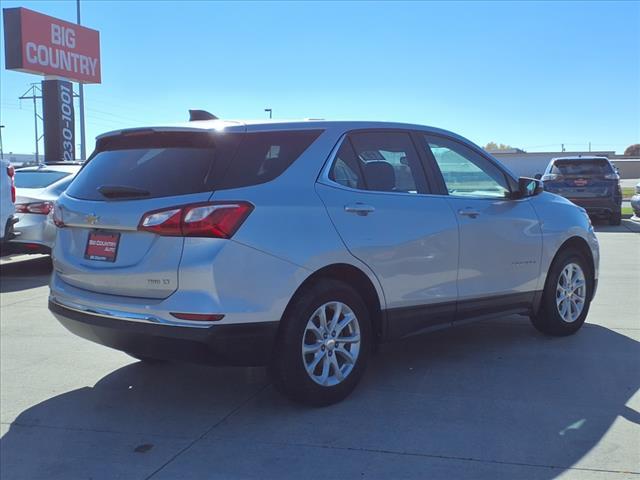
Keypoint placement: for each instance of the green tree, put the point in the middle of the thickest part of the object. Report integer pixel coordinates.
(495, 146)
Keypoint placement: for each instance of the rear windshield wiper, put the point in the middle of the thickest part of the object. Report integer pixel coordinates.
(121, 191)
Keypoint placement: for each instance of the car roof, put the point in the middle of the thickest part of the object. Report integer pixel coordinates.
(270, 125)
(581, 157)
(51, 168)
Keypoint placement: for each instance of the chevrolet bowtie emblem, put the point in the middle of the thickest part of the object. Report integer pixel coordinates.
(92, 219)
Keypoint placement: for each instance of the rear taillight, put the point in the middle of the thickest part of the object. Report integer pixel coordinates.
(38, 208)
(57, 216)
(550, 176)
(12, 172)
(216, 220)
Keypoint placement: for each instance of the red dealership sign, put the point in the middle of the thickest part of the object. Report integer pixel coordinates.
(45, 45)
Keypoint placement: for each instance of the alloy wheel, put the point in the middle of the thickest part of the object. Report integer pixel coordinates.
(331, 343)
(571, 292)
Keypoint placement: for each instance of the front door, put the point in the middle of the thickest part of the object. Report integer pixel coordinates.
(500, 237)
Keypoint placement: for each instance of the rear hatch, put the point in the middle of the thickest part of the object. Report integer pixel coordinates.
(577, 178)
(100, 247)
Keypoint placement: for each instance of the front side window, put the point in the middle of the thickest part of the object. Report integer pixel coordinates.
(465, 172)
(389, 162)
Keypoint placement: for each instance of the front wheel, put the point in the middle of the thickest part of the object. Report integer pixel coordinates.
(567, 295)
(323, 345)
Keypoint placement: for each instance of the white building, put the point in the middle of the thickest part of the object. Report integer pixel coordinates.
(528, 164)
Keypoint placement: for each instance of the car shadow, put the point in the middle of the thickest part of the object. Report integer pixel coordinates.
(489, 392)
(25, 273)
(626, 226)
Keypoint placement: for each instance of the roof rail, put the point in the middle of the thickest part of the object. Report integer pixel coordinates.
(195, 115)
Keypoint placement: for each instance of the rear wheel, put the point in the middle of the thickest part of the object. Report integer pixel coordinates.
(323, 345)
(567, 295)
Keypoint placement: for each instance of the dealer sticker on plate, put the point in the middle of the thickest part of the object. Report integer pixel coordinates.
(102, 246)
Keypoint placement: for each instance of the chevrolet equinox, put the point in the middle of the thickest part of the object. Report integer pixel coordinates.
(301, 245)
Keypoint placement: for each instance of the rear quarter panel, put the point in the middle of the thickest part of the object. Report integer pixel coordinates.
(290, 221)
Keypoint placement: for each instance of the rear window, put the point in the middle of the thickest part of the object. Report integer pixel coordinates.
(177, 163)
(37, 179)
(581, 167)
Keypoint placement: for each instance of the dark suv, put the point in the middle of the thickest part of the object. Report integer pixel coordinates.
(590, 182)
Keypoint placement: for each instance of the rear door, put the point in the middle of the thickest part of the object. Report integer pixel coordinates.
(500, 237)
(378, 198)
(100, 248)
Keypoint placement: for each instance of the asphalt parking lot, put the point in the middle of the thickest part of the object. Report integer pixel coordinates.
(489, 400)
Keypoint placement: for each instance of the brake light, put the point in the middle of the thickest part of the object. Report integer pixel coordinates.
(39, 208)
(57, 216)
(215, 220)
(12, 173)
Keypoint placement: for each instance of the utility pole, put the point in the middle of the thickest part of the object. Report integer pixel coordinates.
(83, 143)
(1, 149)
(270, 112)
(562, 146)
(589, 146)
(34, 90)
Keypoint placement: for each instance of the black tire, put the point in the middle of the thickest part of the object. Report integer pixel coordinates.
(615, 218)
(287, 368)
(548, 319)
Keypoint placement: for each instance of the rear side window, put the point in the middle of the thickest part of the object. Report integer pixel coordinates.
(389, 162)
(346, 169)
(581, 167)
(263, 156)
(37, 179)
(177, 163)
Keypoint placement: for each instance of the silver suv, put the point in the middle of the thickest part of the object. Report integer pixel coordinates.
(301, 245)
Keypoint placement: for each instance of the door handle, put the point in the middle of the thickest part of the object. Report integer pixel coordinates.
(468, 213)
(359, 209)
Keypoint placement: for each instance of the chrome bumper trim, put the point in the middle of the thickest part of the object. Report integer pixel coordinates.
(127, 316)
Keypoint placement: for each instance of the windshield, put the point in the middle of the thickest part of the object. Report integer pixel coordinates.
(38, 178)
(581, 167)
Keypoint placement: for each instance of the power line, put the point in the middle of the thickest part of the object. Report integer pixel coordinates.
(34, 90)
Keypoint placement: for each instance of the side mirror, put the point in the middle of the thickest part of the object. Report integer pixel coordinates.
(528, 187)
(538, 176)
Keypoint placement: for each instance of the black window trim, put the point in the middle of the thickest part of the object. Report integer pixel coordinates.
(324, 178)
(432, 165)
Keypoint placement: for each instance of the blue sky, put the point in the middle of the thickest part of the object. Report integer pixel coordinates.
(529, 74)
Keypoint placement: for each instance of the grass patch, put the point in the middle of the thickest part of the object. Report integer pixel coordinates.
(627, 211)
(628, 192)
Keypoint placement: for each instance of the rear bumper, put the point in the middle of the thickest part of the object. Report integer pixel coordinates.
(8, 232)
(247, 344)
(604, 206)
(34, 229)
